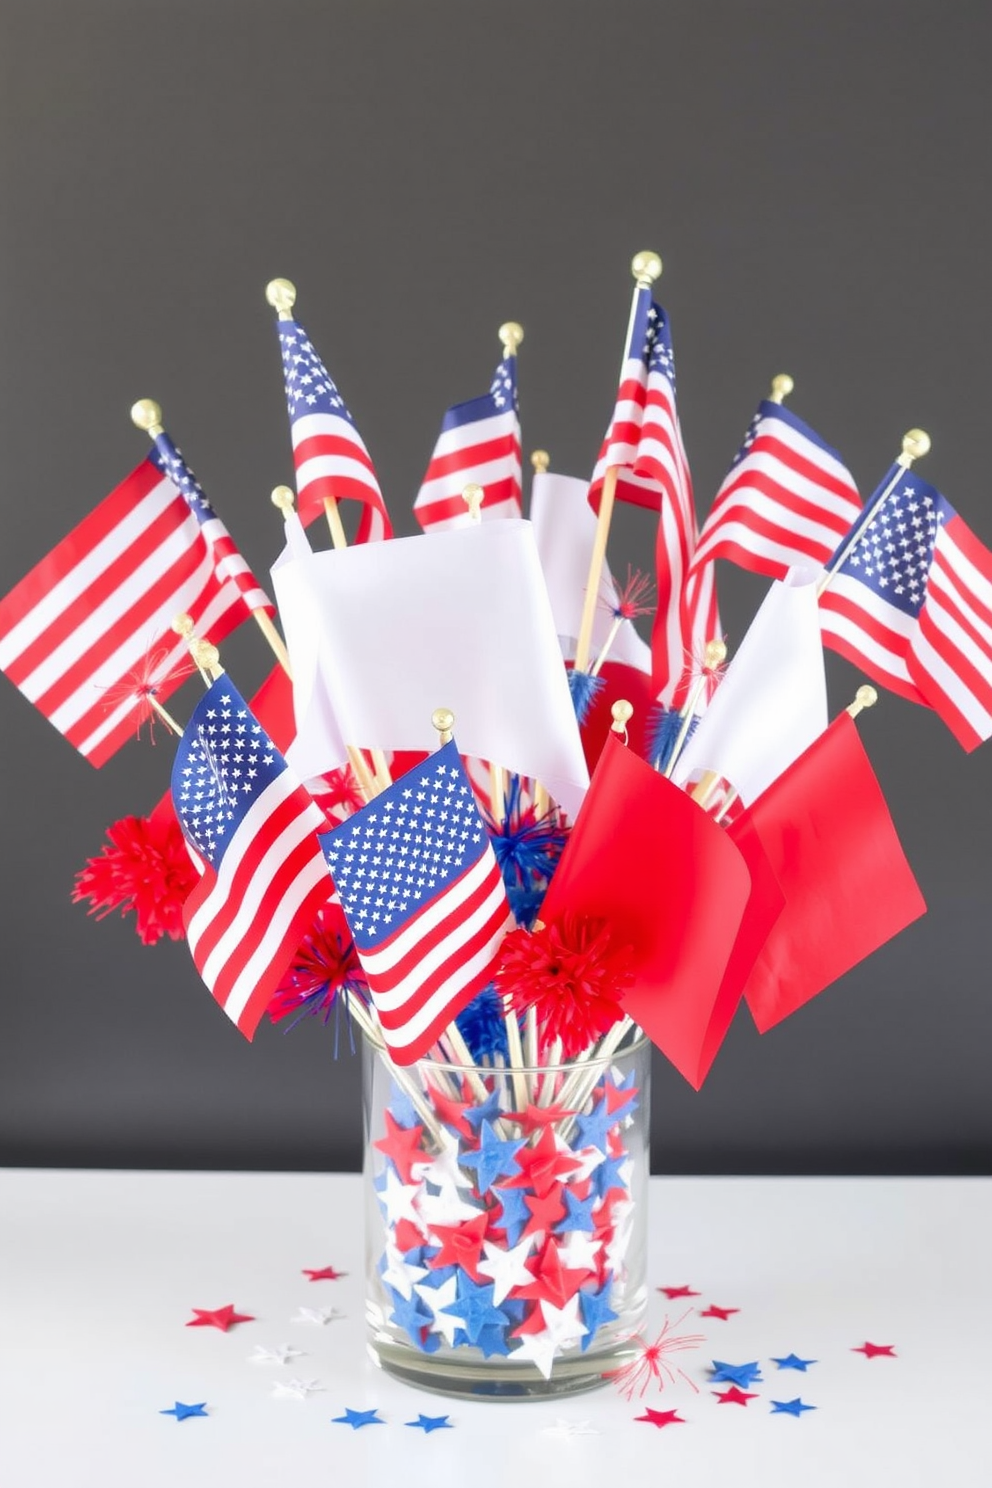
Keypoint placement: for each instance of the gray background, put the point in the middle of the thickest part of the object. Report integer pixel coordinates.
(815, 176)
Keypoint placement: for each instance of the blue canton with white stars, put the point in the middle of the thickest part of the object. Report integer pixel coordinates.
(651, 339)
(504, 386)
(224, 761)
(895, 552)
(309, 386)
(168, 457)
(405, 847)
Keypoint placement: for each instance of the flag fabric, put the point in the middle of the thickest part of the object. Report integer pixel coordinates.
(228, 562)
(787, 500)
(90, 627)
(328, 452)
(644, 442)
(479, 443)
(565, 530)
(424, 899)
(772, 702)
(834, 851)
(673, 887)
(380, 637)
(911, 603)
(252, 828)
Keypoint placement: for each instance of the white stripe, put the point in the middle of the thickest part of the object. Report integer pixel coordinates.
(447, 902)
(845, 508)
(313, 873)
(846, 629)
(330, 466)
(331, 425)
(441, 487)
(808, 538)
(947, 681)
(479, 431)
(804, 448)
(63, 595)
(497, 510)
(401, 1038)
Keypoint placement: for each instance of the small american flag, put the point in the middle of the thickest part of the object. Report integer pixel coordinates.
(329, 454)
(644, 441)
(424, 897)
(911, 603)
(786, 500)
(252, 829)
(228, 562)
(91, 625)
(479, 444)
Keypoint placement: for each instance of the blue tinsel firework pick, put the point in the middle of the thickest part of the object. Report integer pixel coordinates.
(483, 1027)
(527, 849)
(583, 686)
(666, 724)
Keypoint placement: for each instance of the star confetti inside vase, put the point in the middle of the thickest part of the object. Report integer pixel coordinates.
(506, 1214)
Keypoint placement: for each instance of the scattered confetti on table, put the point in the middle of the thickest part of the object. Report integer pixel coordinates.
(723, 1313)
(182, 1412)
(357, 1419)
(792, 1362)
(876, 1350)
(324, 1273)
(218, 1317)
(671, 1292)
(733, 1396)
(430, 1423)
(736, 1374)
(318, 1317)
(294, 1389)
(262, 1355)
(790, 1407)
(661, 1418)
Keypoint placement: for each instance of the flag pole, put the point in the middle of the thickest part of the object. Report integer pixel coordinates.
(146, 414)
(915, 444)
(540, 461)
(474, 496)
(281, 295)
(646, 268)
(714, 656)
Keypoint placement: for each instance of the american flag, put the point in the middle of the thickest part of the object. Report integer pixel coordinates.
(644, 442)
(90, 626)
(479, 444)
(329, 454)
(252, 828)
(911, 603)
(786, 500)
(228, 562)
(424, 898)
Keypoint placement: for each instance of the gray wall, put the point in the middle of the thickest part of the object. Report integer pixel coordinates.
(815, 176)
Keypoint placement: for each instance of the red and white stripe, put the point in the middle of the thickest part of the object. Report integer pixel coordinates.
(245, 921)
(951, 655)
(871, 634)
(485, 452)
(95, 614)
(331, 461)
(789, 501)
(422, 976)
(229, 565)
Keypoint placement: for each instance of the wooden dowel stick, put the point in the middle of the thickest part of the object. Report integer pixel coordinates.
(166, 718)
(334, 522)
(596, 561)
(275, 640)
(366, 782)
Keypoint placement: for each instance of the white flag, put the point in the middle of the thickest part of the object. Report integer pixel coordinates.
(382, 634)
(772, 703)
(565, 528)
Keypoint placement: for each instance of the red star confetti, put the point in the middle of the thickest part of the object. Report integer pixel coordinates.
(553, 1282)
(461, 1245)
(325, 1273)
(220, 1317)
(723, 1313)
(544, 1212)
(401, 1145)
(532, 1118)
(650, 1363)
(876, 1350)
(542, 1165)
(733, 1396)
(678, 1291)
(661, 1418)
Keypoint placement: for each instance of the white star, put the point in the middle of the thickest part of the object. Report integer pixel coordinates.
(295, 1389)
(565, 1428)
(443, 1170)
(579, 1251)
(397, 1198)
(506, 1268)
(317, 1315)
(263, 1355)
(436, 1298)
(400, 1274)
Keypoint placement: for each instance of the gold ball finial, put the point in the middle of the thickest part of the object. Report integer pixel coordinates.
(444, 721)
(540, 460)
(205, 654)
(915, 444)
(281, 295)
(283, 498)
(866, 696)
(473, 497)
(511, 333)
(646, 267)
(183, 626)
(622, 712)
(714, 655)
(146, 414)
(782, 386)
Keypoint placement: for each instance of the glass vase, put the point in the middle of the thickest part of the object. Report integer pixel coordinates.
(505, 1221)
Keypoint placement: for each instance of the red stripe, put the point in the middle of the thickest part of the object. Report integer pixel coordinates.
(387, 981)
(890, 640)
(310, 503)
(454, 506)
(332, 446)
(482, 453)
(787, 455)
(790, 503)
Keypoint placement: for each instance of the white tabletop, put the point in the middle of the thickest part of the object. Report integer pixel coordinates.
(100, 1271)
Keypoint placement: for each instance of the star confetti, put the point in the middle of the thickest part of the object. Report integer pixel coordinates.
(181, 1411)
(651, 1362)
(723, 1313)
(876, 1350)
(294, 1389)
(791, 1361)
(263, 1355)
(678, 1291)
(357, 1419)
(565, 1428)
(790, 1407)
(325, 1273)
(220, 1317)
(318, 1316)
(428, 1424)
(736, 1374)
(733, 1396)
(661, 1418)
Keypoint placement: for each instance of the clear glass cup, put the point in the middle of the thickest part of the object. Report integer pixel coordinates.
(505, 1222)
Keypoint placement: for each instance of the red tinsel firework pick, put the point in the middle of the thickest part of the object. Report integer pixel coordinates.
(143, 683)
(636, 597)
(650, 1363)
(572, 974)
(145, 868)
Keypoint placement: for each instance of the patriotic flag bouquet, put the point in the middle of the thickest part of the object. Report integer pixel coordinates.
(473, 810)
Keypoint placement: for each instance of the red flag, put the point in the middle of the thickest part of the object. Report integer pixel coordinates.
(673, 886)
(848, 888)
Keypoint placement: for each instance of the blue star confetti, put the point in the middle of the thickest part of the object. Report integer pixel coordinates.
(791, 1361)
(357, 1419)
(494, 1158)
(182, 1412)
(741, 1375)
(790, 1407)
(428, 1424)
